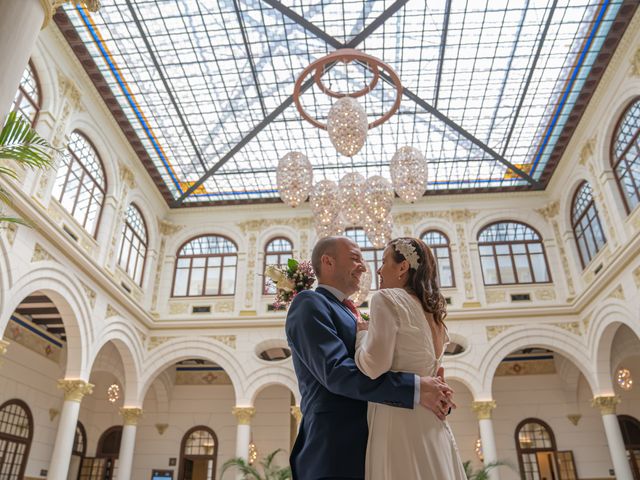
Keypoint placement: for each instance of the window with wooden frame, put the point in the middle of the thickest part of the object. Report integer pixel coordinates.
(371, 255)
(585, 221)
(277, 252)
(78, 452)
(16, 435)
(28, 100)
(438, 242)
(625, 155)
(198, 453)
(538, 456)
(80, 182)
(206, 266)
(630, 428)
(512, 253)
(133, 250)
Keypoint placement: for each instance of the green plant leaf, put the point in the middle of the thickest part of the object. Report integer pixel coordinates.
(21, 143)
(292, 265)
(247, 470)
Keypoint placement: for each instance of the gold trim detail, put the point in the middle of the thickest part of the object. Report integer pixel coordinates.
(572, 327)
(156, 342)
(75, 390)
(606, 403)
(53, 413)
(574, 418)
(296, 413)
(483, 409)
(40, 254)
(495, 330)
(228, 340)
(161, 428)
(131, 415)
(243, 414)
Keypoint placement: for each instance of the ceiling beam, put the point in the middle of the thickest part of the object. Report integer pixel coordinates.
(443, 47)
(530, 76)
(289, 101)
(165, 82)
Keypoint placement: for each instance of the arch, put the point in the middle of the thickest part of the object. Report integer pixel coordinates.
(540, 435)
(609, 318)
(283, 376)
(277, 251)
(109, 442)
(585, 222)
(134, 244)
(465, 372)
(178, 241)
(153, 234)
(46, 78)
(12, 413)
(182, 348)
(27, 101)
(533, 220)
(440, 244)
(124, 338)
(547, 336)
(63, 290)
(201, 449)
(624, 167)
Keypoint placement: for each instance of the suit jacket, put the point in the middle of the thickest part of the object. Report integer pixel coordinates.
(332, 440)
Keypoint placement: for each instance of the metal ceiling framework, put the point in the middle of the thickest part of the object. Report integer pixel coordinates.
(189, 193)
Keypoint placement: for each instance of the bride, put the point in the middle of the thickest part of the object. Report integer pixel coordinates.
(406, 333)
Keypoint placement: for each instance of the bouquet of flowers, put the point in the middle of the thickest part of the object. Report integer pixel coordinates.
(290, 280)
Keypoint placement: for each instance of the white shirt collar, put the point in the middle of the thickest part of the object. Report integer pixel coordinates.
(334, 291)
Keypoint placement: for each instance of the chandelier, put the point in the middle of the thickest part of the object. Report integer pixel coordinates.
(409, 173)
(352, 190)
(294, 176)
(624, 379)
(113, 393)
(347, 120)
(363, 290)
(379, 230)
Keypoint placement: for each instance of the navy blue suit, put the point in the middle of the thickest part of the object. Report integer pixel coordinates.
(333, 434)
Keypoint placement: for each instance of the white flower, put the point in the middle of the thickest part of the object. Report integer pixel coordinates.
(274, 273)
(285, 284)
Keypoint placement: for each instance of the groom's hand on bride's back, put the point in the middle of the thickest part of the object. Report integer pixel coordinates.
(436, 395)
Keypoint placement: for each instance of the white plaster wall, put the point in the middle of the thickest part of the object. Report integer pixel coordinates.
(270, 427)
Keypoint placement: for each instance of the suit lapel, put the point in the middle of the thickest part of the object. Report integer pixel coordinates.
(333, 298)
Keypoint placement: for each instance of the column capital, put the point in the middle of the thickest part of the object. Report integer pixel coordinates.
(606, 403)
(3, 349)
(131, 415)
(50, 7)
(483, 409)
(296, 413)
(244, 414)
(75, 390)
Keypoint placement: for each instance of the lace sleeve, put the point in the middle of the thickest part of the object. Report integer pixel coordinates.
(375, 347)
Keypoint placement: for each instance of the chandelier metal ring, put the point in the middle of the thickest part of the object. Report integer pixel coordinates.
(347, 55)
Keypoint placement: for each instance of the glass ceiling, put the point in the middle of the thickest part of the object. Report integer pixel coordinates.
(196, 77)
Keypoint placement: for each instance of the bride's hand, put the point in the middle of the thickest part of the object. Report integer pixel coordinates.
(435, 395)
(362, 325)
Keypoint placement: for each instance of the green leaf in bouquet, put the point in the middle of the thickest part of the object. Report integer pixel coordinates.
(292, 265)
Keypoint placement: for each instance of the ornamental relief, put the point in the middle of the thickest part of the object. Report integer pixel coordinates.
(224, 306)
(228, 340)
(40, 254)
(91, 295)
(156, 342)
(636, 277)
(303, 223)
(176, 308)
(550, 210)
(251, 264)
(586, 152)
(617, 293)
(544, 294)
(635, 64)
(496, 296)
(10, 232)
(563, 258)
(464, 260)
(571, 327)
(495, 330)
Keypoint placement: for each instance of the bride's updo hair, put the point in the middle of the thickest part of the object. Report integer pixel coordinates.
(423, 281)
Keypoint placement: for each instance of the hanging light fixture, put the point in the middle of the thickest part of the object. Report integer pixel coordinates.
(253, 453)
(379, 230)
(113, 393)
(478, 450)
(409, 173)
(378, 196)
(294, 176)
(325, 202)
(363, 290)
(347, 126)
(351, 188)
(624, 379)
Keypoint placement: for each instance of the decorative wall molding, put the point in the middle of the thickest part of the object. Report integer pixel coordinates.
(526, 367)
(483, 409)
(495, 330)
(167, 228)
(127, 176)
(243, 414)
(156, 342)
(111, 312)
(40, 254)
(91, 295)
(131, 415)
(228, 340)
(161, 428)
(635, 64)
(496, 296)
(574, 418)
(177, 308)
(586, 152)
(550, 210)
(299, 223)
(617, 293)
(544, 294)
(606, 404)
(571, 327)
(74, 390)
(636, 277)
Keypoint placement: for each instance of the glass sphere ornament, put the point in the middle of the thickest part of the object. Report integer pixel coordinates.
(347, 126)
(378, 196)
(294, 176)
(335, 227)
(325, 201)
(409, 173)
(379, 230)
(352, 190)
(363, 290)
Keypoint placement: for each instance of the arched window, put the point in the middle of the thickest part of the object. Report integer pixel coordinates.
(206, 266)
(439, 244)
(277, 252)
(512, 252)
(372, 255)
(625, 155)
(105, 464)
(198, 452)
(16, 434)
(586, 224)
(134, 244)
(538, 455)
(28, 100)
(630, 428)
(80, 183)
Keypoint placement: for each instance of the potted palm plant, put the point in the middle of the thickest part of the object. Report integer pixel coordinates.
(269, 470)
(22, 144)
(483, 473)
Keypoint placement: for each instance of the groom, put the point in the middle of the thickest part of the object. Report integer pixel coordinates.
(321, 331)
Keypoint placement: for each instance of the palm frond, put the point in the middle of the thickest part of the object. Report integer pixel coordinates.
(18, 221)
(20, 142)
(247, 470)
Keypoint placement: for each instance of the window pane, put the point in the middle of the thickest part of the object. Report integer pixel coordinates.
(489, 270)
(228, 280)
(213, 280)
(444, 270)
(522, 267)
(197, 280)
(180, 286)
(539, 268)
(506, 269)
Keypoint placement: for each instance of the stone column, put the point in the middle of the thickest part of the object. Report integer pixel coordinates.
(3, 349)
(243, 414)
(483, 412)
(607, 405)
(128, 442)
(74, 391)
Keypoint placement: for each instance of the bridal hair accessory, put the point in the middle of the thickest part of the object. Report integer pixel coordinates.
(408, 251)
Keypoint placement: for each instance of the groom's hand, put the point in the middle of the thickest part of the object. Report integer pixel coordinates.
(440, 375)
(435, 395)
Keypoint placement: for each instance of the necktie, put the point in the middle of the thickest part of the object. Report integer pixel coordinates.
(352, 308)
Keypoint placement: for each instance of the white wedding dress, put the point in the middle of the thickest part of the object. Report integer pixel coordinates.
(404, 444)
